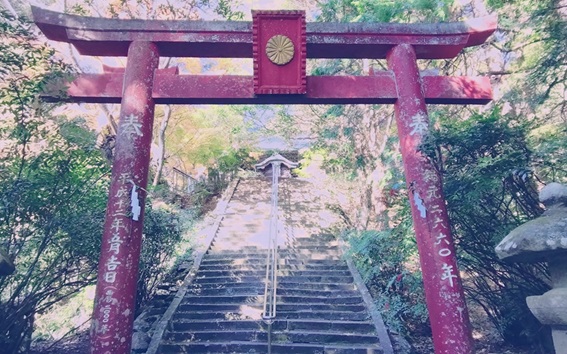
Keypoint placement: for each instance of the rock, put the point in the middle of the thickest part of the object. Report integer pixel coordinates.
(141, 323)
(140, 341)
(542, 237)
(553, 193)
(550, 308)
(183, 266)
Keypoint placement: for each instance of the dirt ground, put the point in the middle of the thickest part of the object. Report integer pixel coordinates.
(76, 344)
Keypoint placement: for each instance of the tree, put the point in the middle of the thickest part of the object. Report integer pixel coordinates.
(488, 156)
(53, 192)
(51, 188)
(154, 10)
(488, 195)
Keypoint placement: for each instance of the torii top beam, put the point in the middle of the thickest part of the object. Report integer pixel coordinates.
(111, 37)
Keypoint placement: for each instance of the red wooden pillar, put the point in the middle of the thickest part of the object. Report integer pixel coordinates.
(443, 289)
(111, 331)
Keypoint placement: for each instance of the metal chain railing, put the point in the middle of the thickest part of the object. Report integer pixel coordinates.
(271, 280)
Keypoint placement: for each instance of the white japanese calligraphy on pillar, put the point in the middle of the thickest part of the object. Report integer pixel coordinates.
(448, 274)
(419, 124)
(131, 127)
(118, 225)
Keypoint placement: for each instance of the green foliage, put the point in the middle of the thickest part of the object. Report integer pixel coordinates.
(73, 314)
(533, 34)
(225, 9)
(385, 11)
(485, 162)
(203, 136)
(232, 160)
(162, 233)
(53, 193)
(222, 170)
(387, 261)
(549, 144)
(549, 69)
(488, 160)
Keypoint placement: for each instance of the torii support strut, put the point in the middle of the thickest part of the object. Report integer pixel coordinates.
(141, 85)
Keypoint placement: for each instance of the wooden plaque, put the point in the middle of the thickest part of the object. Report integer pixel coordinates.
(279, 46)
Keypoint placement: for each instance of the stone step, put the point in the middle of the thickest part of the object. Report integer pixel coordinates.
(319, 252)
(281, 299)
(233, 246)
(232, 259)
(240, 235)
(339, 266)
(301, 255)
(238, 307)
(223, 299)
(239, 254)
(307, 300)
(281, 273)
(284, 279)
(228, 280)
(286, 283)
(325, 238)
(315, 279)
(255, 314)
(262, 348)
(311, 255)
(333, 287)
(259, 272)
(311, 241)
(323, 315)
(251, 309)
(258, 289)
(281, 265)
(235, 260)
(327, 337)
(319, 309)
(251, 267)
(300, 336)
(277, 325)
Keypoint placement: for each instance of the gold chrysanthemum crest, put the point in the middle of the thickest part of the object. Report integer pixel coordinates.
(280, 49)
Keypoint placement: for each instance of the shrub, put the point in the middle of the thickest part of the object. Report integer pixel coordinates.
(389, 264)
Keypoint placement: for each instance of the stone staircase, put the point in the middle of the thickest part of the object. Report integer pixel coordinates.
(320, 306)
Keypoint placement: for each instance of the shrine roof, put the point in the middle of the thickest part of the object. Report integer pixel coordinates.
(276, 158)
(231, 39)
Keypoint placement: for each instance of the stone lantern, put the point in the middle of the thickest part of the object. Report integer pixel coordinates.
(545, 239)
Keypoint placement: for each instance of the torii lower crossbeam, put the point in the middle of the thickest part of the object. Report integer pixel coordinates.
(378, 88)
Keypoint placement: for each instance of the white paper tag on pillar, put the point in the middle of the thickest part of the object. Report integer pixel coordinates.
(135, 203)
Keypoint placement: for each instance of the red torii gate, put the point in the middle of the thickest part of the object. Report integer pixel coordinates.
(279, 42)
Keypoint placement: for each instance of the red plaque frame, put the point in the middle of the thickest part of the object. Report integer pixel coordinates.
(271, 78)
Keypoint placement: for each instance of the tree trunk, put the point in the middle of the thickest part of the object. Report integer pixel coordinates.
(161, 144)
(6, 265)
